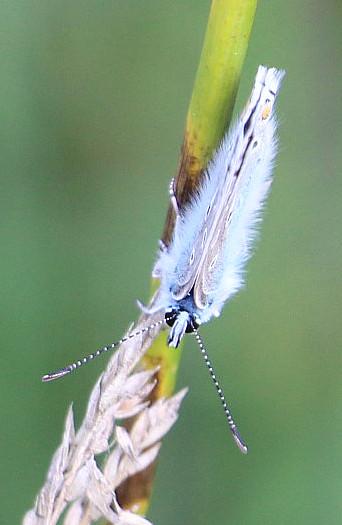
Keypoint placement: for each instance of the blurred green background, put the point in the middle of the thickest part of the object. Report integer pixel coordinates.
(94, 98)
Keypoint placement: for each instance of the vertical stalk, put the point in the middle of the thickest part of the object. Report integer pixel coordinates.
(210, 110)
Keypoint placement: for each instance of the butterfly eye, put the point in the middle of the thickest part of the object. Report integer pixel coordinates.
(170, 317)
(192, 257)
(193, 324)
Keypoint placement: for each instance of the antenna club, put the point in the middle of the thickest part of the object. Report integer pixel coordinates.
(240, 443)
(235, 433)
(56, 375)
(61, 372)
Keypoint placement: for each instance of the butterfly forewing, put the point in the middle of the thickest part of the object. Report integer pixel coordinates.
(243, 188)
(229, 176)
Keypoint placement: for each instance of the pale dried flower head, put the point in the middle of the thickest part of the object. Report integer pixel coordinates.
(77, 485)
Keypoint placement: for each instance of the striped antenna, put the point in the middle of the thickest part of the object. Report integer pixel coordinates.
(61, 372)
(233, 428)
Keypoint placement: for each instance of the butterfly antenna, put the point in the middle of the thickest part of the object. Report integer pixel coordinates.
(61, 372)
(236, 435)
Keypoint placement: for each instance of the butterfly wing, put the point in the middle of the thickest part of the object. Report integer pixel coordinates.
(244, 183)
(213, 234)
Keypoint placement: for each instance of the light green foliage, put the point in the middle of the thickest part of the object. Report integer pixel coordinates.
(94, 97)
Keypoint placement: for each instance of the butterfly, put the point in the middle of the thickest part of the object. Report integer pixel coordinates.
(203, 265)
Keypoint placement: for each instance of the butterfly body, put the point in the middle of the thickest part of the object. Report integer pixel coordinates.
(203, 266)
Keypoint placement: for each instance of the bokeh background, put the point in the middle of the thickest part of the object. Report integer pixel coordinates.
(94, 98)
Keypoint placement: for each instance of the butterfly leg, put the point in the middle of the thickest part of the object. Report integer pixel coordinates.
(173, 197)
(156, 270)
(148, 310)
(145, 309)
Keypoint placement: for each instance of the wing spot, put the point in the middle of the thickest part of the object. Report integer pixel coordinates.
(267, 109)
(205, 234)
(212, 262)
(228, 218)
(248, 123)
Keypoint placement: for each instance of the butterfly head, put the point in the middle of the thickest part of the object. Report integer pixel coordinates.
(181, 322)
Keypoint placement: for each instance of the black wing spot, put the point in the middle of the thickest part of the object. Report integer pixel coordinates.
(248, 124)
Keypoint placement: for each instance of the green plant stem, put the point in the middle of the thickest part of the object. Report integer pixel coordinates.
(211, 106)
